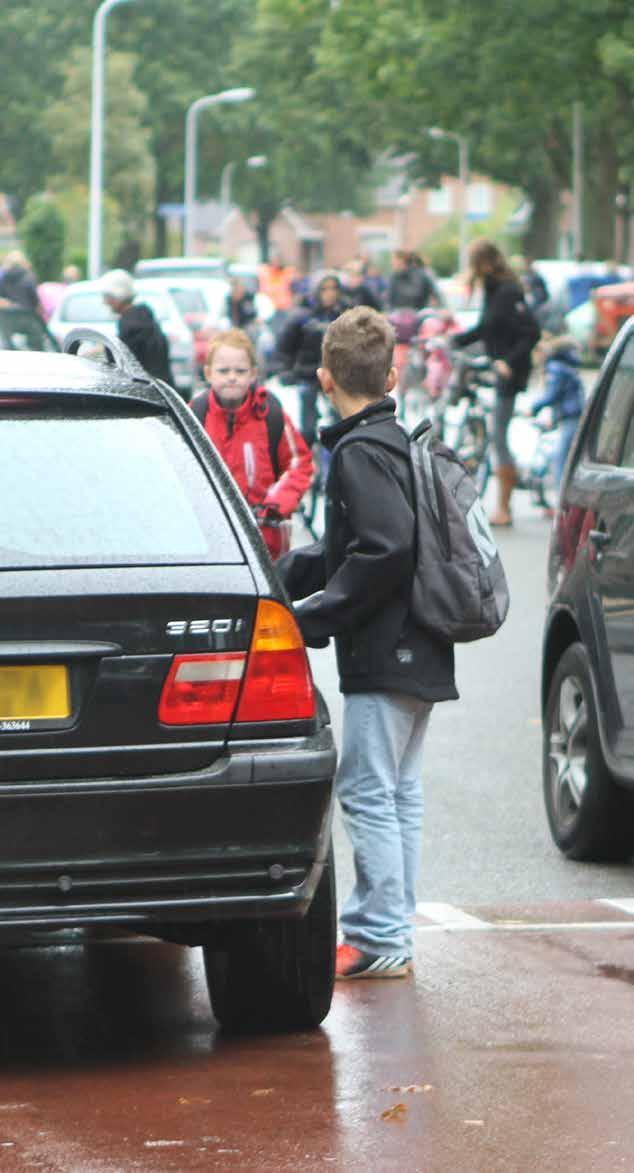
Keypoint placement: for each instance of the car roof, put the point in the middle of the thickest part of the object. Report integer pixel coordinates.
(211, 263)
(45, 372)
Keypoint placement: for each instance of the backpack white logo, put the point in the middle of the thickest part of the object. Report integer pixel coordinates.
(481, 533)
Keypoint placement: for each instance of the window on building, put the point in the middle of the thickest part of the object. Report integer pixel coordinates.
(439, 201)
(479, 202)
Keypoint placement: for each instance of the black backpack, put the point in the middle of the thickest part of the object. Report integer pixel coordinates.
(274, 422)
(460, 592)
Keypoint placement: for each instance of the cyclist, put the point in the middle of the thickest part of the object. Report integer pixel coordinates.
(299, 348)
(509, 331)
(258, 442)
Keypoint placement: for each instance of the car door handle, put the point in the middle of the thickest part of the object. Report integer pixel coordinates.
(599, 537)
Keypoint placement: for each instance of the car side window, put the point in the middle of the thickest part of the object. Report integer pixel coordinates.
(613, 441)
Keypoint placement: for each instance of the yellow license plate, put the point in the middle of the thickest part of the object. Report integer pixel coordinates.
(34, 692)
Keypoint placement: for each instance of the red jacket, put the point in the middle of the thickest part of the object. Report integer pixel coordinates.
(242, 439)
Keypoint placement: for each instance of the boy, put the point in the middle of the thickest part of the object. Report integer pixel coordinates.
(391, 671)
(266, 456)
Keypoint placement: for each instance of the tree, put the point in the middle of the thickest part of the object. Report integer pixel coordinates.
(316, 157)
(129, 174)
(42, 230)
(34, 43)
(506, 77)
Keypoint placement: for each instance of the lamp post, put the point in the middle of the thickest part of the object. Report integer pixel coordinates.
(254, 161)
(241, 94)
(96, 136)
(463, 175)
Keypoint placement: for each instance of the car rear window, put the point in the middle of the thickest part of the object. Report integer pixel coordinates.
(103, 490)
(189, 301)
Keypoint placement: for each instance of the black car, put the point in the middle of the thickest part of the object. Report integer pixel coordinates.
(166, 763)
(588, 658)
(21, 329)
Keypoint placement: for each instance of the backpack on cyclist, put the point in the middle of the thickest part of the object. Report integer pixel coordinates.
(274, 422)
(460, 592)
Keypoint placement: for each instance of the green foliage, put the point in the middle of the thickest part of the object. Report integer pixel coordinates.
(42, 231)
(128, 161)
(73, 205)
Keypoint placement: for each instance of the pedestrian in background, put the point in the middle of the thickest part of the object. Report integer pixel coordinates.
(391, 671)
(17, 283)
(299, 348)
(509, 331)
(356, 289)
(410, 287)
(138, 327)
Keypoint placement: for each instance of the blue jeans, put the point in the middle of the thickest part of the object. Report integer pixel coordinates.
(379, 788)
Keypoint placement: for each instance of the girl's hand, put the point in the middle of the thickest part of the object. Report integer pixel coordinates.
(502, 368)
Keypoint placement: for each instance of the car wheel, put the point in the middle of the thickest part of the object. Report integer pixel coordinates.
(590, 817)
(277, 974)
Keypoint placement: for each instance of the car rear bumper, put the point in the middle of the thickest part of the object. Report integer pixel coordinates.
(247, 837)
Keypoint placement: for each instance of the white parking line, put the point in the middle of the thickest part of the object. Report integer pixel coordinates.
(625, 904)
(447, 916)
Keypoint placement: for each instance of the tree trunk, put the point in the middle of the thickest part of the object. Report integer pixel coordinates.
(542, 238)
(602, 174)
(262, 227)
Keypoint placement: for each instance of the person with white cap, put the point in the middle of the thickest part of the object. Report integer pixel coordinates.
(138, 327)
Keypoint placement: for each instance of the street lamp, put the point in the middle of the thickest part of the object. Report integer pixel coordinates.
(96, 136)
(463, 175)
(242, 94)
(254, 161)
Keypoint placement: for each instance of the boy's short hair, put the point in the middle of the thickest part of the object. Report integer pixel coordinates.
(357, 350)
(238, 339)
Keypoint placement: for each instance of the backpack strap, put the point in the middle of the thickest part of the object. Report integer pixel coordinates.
(274, 419)
(274, 428)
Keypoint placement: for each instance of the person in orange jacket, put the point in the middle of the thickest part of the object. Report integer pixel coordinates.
(258, 442)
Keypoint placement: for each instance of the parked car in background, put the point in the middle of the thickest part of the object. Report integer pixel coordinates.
(613, 305)
(166, 762)
(21, 329)
(588, 651)
(180, 267)
(84, 305)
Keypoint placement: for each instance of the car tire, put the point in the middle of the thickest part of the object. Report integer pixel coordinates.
(590, 817)
(277, 974)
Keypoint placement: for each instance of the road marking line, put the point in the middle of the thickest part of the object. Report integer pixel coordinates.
(447, 916)
(599, 926)
(626, 904)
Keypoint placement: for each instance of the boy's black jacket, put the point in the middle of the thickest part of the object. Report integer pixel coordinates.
(364, 565)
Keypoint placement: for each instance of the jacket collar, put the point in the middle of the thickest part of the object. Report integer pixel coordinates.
(374, 413)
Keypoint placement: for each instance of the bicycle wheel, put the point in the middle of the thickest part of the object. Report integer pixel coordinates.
(472, 447)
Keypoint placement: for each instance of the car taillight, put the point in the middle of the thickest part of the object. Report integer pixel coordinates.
(278, 685)
(202, 690)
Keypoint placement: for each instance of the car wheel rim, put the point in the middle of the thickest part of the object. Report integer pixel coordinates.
(568, 753)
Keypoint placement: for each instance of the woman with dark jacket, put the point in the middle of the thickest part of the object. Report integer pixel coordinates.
(299, 348)
(509, 332)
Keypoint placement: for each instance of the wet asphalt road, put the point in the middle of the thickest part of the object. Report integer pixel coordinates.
(511, 1050)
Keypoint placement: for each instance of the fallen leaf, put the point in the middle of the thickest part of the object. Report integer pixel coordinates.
(412, 1089)
(397, 1112)
(477, 1123)
(263, 1091)
(193, 1100)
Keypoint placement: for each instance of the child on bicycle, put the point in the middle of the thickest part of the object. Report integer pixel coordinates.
(258, 442)
(563, 392)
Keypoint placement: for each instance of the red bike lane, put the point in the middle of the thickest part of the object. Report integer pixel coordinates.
(511, 1049)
